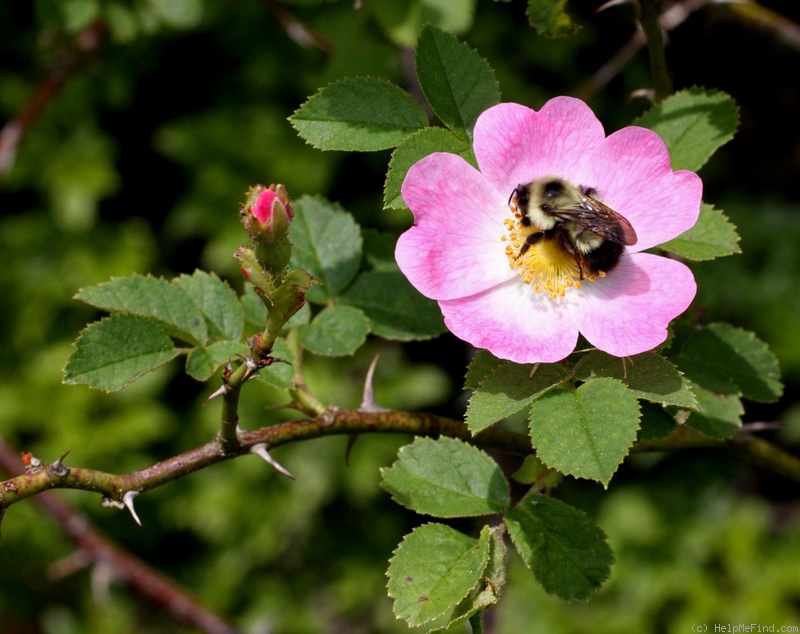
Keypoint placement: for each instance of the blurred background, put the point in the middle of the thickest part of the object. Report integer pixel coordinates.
(144, 122)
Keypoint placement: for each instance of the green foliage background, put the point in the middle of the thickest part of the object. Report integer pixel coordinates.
(137, 166)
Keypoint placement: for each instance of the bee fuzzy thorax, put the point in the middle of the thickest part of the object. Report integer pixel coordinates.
(561, 234)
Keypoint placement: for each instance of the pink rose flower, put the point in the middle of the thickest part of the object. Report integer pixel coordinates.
(526, 299)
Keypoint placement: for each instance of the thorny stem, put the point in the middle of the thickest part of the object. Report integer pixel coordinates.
(651, 25)
(349, 422)
(228, 438)
(96, 550)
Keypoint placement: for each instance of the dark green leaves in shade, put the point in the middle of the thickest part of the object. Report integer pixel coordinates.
(456, 81)
(718, 415)
(481, 365)
(649, 375)
(112, 352)
(336, 331)
(415, 147)
(549, 18)
(433, 570)
(694, 124)
(395, 309)
(507, 389)
(567, 553)
(711, 237)
(446, 478)
(327, 244)
(358, 115)
(588, 431)
(729, 360)
(726, 364)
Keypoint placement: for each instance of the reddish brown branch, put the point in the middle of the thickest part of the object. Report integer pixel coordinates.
(297, 31)
(83, 46)
(97, 550)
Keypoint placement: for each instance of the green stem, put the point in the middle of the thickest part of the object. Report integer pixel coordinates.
(300, 393)
(476, 621)
(648, 10)
(228, 430)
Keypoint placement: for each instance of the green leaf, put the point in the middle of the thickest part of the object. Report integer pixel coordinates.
(379, 250)
(585, 432)
(358, 115)
(335, 332)
(656, 422)
(395, 309)
(730, 360)
(650, 376)
(550, 18)
(279, 374)
(508, 389)
(492, 582)
(446, 478)
(694, 124)
(457, 82)
(567, 553)
(718, 415)
(201, 363)
(255, 312)
(402, 20)
(417, 146)
(483, 364)
(713, 236)
(327, 244)
(150, 297)
(217, 301)
(116, 350)
(433, 569)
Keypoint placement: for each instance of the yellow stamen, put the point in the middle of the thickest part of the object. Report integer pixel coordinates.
(545, 265)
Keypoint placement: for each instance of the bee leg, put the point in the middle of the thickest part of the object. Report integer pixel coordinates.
(530, 241)
(574, 253)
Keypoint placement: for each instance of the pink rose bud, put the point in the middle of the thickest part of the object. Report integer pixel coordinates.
(267, 213)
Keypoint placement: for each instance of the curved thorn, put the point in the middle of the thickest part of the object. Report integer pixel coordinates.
(58, 467)
(127, 499)
(260, 450)
(368, 403)
(252, 368)
(222, 390)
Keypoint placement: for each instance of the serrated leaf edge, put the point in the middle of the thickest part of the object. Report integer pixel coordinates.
(456, 602)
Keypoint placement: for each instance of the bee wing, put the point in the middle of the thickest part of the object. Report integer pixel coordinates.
(600, 219)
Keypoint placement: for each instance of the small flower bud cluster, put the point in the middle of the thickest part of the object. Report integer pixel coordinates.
(266, 216)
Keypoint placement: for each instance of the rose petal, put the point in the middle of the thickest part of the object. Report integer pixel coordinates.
(515, 144)
(628, 311)
(631, 171)
(513, 322)
(455, 248)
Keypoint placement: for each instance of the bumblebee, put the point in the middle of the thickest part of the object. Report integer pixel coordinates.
(590, 231)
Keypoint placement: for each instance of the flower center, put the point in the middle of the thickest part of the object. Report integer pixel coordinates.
(543, 257)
